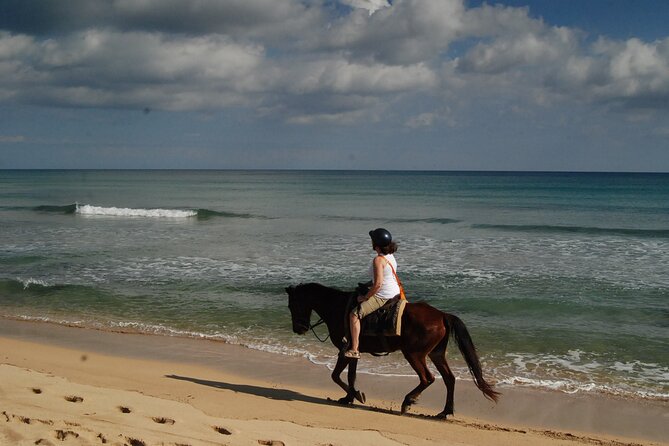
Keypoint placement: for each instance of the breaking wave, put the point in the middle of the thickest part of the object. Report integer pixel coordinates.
(87, 209)
(90, 210)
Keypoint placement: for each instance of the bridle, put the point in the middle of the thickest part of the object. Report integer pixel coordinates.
(311, 327)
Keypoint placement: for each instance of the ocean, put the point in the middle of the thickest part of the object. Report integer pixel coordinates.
(561, 278)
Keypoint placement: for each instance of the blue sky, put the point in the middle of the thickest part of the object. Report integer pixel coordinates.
(352, 84)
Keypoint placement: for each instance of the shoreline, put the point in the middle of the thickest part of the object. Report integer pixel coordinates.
(580, 389)
(540, 384)
(270, 379)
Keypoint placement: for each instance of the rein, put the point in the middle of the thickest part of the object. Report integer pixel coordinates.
(312, 326)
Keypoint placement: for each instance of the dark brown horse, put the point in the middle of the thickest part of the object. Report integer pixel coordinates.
(425, 332)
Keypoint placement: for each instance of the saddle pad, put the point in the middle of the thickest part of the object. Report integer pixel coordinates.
(386, 321)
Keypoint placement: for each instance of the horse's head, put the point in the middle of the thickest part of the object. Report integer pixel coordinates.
(300, 310)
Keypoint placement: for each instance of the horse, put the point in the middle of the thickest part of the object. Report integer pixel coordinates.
(425, 332)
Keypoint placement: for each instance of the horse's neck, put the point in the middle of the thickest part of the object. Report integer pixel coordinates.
(332, 307)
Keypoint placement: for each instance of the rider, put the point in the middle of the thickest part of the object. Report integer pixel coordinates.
(384, 285)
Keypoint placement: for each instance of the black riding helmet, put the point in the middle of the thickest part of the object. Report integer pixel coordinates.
(381, 237)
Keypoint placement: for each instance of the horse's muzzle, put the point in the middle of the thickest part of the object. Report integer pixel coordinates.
(300, 329)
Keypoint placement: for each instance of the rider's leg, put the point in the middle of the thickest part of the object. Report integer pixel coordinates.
(355, 331)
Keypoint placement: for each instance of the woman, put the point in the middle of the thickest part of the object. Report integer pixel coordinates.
(384, 285)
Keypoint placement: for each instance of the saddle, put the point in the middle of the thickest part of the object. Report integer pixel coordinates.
(386, 321)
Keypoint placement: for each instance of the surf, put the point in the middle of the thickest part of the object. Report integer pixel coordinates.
(87, 210)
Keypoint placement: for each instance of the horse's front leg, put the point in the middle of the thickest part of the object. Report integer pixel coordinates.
(351, 392)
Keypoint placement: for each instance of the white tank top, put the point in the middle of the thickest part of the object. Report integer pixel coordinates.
(389, 286)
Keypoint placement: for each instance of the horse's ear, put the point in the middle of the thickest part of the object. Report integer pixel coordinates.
(289, 289)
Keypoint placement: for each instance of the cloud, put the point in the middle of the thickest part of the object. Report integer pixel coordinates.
(111, 68)
(306, 62)
(519, 52)
(370, 5)
(636, 73)
(12, 139)
(430, 119)
(268, 18)
(342, 76)
(411, 31)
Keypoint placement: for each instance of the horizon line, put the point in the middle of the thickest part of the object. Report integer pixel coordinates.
(132, 169)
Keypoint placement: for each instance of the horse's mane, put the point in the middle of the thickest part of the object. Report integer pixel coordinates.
(314, 288)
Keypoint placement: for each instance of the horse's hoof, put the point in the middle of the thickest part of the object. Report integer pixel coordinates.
(406, 404)
(345, 401)
(443, 415)
(360, 396)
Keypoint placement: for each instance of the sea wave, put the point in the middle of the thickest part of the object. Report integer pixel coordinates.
(91, 210)
(9, 287)
(573, 387)
(435, 220)
(585, 230)
(578, 371)
(88, 209)
(67, 209)
(27, 283)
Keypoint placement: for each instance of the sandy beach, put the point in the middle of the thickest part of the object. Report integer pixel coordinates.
(62, 385)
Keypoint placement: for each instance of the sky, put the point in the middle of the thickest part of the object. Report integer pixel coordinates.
(547, 85)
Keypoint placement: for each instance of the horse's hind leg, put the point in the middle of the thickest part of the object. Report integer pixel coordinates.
(351, 392)
(438, 357)
(417, 362)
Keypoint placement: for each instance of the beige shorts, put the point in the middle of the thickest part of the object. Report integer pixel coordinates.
(369, 306)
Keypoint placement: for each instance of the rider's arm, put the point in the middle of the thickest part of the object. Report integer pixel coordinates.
(378, 277)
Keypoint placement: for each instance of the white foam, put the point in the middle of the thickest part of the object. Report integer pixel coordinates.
(87, 209)
(565, 386)
(30, 281)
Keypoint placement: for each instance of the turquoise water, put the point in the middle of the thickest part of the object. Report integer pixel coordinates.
(561, 278)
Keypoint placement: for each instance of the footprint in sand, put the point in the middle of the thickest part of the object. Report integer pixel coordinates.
(222, 430)
(25, 420)
(271, 443)
(163, 420)
(124, 409)
(36, 390)
(135, 442)
(63, 435)
(74, 399)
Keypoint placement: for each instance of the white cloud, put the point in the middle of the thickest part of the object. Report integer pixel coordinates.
(370, 5)
(638, 69)
(549, 61)
(110, 68)
(342, 76)
(520, 51)
(411, 31)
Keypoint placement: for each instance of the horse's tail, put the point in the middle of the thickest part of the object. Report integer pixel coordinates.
(468, 350)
